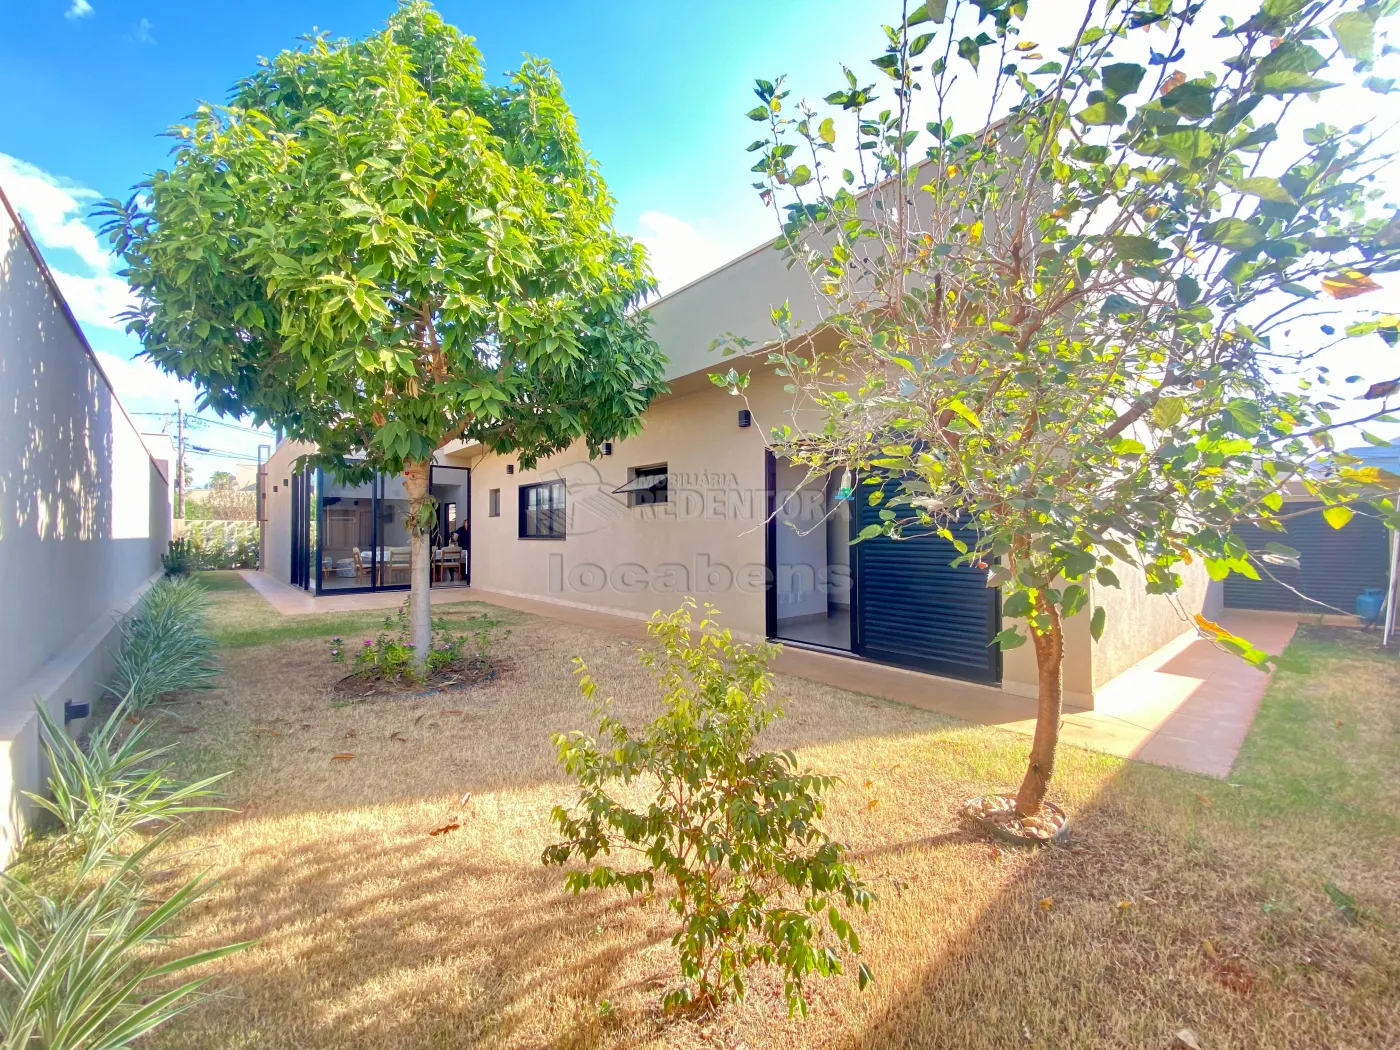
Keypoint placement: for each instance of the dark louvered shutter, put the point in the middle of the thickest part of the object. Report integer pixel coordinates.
(1335, 565)
(914, 609)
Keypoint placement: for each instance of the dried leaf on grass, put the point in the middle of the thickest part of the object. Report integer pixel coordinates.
(451, 825)
(344, 756)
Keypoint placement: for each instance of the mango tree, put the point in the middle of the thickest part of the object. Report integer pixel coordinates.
(1084, 328)
(379, 251)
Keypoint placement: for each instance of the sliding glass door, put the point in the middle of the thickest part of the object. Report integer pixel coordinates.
(355, 537)
(451, 537)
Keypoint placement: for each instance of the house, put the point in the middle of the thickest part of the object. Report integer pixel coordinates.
(84, 518)
(695, 504)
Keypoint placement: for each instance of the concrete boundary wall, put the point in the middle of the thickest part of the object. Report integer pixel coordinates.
(80, 672)
(84, 516)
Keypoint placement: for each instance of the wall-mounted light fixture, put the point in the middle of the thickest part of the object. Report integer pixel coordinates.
(510, 468)
(607, 448)
(745, 417)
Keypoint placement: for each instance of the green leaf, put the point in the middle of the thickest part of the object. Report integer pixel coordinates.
(826, 131)
(1188, 289)
(1262, 187)
(1017, 604)
(966, 413)
(1195, 99)
(1097, 621)
(1106, 576)
(1168, 411)
(801, 175)
(1232, 233)
(870, 532)
(933, 11)
(1355, 34)
(1245, 416)
(1337, 516)
(1140, 249)
(1122, 78)
(1075, 562)
(1103, 113)
(1291, 56)
(1009, 638)
(970, 49)
(1185, 145)
(1073, 599)
(1288, 82)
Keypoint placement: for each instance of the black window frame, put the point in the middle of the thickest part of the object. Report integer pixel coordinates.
(651, 497)
(557, 512)
(493, 503)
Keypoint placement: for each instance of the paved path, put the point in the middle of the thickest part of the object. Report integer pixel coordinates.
(1188, 705)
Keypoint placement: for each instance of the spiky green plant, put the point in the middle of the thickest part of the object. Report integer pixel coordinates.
(165, 645)
(76, 973)
(114, 785)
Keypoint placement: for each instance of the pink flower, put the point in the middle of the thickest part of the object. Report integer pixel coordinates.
(368, 642)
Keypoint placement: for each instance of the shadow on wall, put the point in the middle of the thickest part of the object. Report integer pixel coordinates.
(83, 512)
(55, 477)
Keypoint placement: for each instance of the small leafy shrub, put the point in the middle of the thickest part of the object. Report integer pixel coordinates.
(114, 785)
(389, 656)
(77, 967)
(176, 561)
(165, 645)
(734, 831)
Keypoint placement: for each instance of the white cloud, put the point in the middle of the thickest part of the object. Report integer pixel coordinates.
(80, 9)
(95, 300)
(54, 209)
(142, 33)
(679, 252)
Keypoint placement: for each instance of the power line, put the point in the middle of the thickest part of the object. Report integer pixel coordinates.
(201, 420)
(202, 450)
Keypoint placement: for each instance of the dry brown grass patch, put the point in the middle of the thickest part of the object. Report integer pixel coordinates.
(375, 933)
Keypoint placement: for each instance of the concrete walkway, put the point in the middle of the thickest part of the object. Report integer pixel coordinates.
(1188, 705)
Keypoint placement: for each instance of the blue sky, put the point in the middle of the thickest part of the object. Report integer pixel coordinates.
(659, 90)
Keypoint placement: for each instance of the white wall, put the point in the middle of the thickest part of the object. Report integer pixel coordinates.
(84, 514)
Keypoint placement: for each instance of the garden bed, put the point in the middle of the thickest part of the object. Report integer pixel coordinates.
(996, 816)
(368, 685)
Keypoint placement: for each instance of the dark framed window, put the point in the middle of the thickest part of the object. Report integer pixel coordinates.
(543, 511)
(646, 486)
(493, 503)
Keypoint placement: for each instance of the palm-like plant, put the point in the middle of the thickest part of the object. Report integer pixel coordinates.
(165, 645)
(76, 975)
(114, 785)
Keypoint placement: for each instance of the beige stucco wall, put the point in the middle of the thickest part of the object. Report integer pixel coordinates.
(277, 504)
(708, 540)
(1137, 624)
(84, 516)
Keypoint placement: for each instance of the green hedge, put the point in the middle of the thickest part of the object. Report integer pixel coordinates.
(222, 544)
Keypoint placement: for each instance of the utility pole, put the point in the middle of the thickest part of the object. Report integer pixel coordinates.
(179, 461)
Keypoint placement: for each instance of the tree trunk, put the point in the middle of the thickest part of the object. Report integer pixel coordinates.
(1049, 656)
(420, 633)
